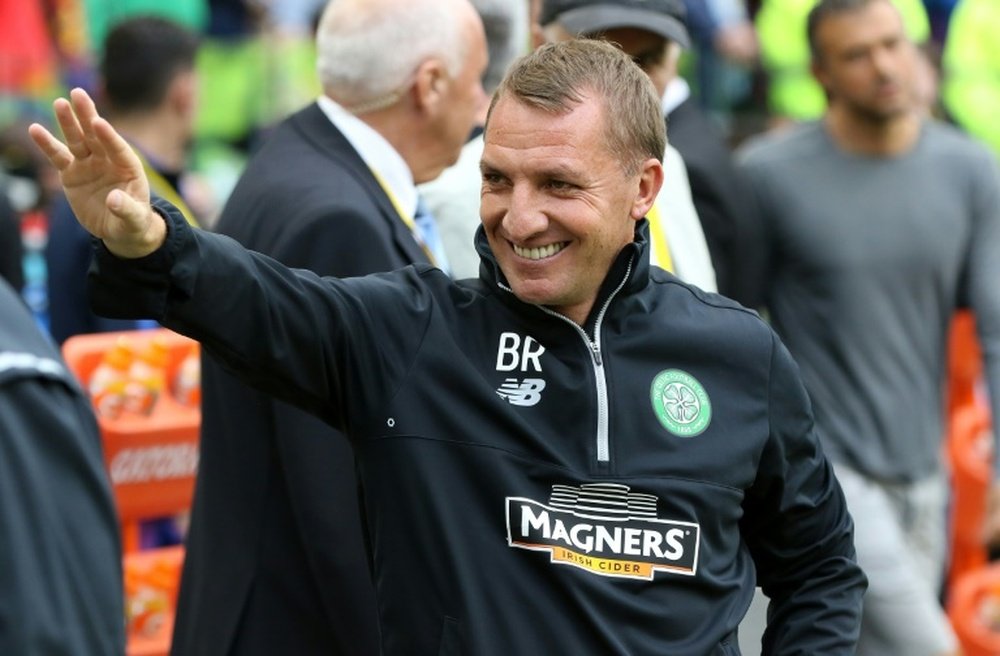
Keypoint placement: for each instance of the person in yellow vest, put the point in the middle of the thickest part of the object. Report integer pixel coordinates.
(793, 93)
(148, 87)
(971, 63)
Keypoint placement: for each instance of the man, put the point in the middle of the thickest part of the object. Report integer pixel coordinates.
(275, 561)
(61, 579)
(576, 453)
(879, 223)
(453, 197)
(149, 88)
(653, 32)
(678, 240)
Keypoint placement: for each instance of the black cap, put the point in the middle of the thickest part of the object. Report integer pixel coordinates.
(663, 17)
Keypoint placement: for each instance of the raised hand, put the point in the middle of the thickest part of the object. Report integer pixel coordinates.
(102, 177)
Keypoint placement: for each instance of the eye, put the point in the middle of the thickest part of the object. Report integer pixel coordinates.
(559, 185)
(650, 58)
(492, 179)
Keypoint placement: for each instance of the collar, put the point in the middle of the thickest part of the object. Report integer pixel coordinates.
(632, 262)
(677, 91)
(377, 153)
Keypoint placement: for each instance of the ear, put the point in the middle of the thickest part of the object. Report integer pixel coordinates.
(650, 182)
(430, 85)
(818, 72)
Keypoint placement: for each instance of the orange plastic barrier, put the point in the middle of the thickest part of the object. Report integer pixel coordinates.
(969, 449)
(970, 452)
(151, 460)
(151, 580)
(974, 610)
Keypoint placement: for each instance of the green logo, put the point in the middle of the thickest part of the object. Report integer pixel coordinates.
(680, 403)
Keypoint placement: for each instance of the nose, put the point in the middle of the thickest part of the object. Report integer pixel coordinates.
(885, 61)
(524, 218)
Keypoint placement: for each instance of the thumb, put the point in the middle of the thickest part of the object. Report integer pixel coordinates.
(127, 208)
(140, 232)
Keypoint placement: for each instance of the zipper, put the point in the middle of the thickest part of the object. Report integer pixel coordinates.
(594, 346)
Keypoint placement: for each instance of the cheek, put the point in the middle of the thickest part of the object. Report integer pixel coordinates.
(491, 211)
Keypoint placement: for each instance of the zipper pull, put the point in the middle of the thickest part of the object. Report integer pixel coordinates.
(596, 352)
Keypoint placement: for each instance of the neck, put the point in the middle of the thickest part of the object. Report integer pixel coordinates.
(399, 128)
(869, 135)
(157, 136)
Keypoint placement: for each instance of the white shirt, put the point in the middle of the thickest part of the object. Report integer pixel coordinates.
(377, 153)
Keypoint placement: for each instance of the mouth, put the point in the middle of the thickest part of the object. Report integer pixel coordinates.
(541, 252)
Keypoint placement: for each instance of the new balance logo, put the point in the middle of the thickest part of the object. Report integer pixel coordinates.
(525, 392)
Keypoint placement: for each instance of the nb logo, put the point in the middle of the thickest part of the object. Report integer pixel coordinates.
(525, 392)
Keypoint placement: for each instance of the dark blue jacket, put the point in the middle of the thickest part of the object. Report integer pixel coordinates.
(532, 487)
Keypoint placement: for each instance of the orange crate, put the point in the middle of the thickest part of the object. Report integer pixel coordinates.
(152, 574)
(151, 459)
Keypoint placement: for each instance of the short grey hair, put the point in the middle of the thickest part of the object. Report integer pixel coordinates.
(507, 36)
(368, 49)
(558, 76)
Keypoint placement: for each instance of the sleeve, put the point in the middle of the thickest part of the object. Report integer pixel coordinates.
(982, 272)
(321, 344)
(61, 580)
(799, 532)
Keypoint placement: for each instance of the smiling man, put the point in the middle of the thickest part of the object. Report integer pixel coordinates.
(576, 453)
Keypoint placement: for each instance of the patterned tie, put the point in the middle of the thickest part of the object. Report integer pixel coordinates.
(425, 223)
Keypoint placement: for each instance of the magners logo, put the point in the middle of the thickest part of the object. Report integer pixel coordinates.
(606, 529)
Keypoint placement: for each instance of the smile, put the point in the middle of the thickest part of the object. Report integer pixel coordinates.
(539, 253)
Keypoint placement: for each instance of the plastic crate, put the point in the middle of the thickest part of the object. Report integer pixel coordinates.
(152, 459)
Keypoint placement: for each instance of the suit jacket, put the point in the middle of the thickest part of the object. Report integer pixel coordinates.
(276, 559)
(718, 191)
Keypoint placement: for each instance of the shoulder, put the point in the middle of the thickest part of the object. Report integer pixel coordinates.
(944, 140)
(24, 350)
(703, 309)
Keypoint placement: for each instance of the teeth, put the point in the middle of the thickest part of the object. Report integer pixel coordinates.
(539, 253)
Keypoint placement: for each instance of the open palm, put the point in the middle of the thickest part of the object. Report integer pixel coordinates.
(101, 175)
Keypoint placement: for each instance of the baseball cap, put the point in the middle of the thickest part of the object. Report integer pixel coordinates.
(663, 17)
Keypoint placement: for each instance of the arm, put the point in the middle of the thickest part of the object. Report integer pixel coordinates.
(318, 343)
(983, 270)
(799, 531)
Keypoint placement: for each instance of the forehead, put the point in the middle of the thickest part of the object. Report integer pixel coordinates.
(858, 28)
(515, 127)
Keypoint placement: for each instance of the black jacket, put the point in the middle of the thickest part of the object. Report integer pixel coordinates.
(60, 545)
(531, 487)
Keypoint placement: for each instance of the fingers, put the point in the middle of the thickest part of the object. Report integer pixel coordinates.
(71, 128)
(86, 113)
(114, 146)
(55, 150)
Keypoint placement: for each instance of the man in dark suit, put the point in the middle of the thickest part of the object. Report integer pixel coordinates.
(275, 554)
